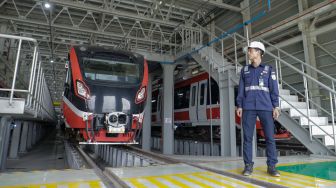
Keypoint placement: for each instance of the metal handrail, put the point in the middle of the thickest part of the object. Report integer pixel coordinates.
(36, 100)
(297, 70)
(296, 59)
(332, 136)
(310, 100)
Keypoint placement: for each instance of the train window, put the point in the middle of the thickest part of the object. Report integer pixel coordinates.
(193, 95)
(202, 94)
(111, 70)
(181, 97)
(214, 93)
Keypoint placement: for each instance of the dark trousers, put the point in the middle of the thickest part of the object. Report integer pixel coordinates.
(267, 122)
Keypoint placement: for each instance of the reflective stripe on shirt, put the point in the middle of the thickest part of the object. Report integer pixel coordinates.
(250, 88)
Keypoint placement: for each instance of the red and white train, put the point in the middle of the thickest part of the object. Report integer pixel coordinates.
(105, 94)
(193, 109)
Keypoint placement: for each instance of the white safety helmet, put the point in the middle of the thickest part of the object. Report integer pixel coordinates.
(258, 45)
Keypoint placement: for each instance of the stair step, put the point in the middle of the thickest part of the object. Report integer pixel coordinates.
(327, 140)
(303, 121)
(299, 105)
(322, 130)
(289, 98)
(284, 92)
(296, 112)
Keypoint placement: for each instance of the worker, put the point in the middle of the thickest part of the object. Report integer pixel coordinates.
(258, 95)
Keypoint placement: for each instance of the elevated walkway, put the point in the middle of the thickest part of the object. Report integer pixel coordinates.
(26, 109)
(24, 91)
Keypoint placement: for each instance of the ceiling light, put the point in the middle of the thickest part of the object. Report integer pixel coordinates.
(47, 5)
(51, 61)
(160, 2)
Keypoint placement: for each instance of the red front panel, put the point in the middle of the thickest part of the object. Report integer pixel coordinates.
(73, 120)
(100, 136)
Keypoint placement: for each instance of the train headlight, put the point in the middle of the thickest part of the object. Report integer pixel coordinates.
(113, 119)
(141, 95)
(82, 90)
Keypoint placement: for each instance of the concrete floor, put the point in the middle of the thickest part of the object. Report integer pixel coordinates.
(182, 175)
(44, 166)
(48, 154)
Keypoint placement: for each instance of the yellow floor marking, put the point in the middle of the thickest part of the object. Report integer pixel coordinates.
(136, 183)
(274, 180)
(174, 181)
(194, 181)
(284, 178)
(92, 184)
(73, 185)
(213, 181)
(303, 177)
(156, 182)
(232, 180)
(50, 186)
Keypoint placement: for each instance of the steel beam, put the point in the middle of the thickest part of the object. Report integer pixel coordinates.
(223, 5)
(80, 29)
(309, 13)
(87, 7)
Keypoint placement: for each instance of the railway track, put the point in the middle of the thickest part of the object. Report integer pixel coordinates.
(99, 165)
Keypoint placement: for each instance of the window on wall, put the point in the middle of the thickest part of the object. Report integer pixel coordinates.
(181, 97)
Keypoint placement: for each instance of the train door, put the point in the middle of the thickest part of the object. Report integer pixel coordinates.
(193, 102)
(202, 101)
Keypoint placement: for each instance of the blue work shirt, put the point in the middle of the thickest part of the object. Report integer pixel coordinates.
(258, 88)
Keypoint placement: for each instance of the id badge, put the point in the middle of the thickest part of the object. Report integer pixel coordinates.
(261, 81)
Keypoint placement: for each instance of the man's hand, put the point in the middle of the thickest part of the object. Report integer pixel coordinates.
(239, 112)
(276, 113)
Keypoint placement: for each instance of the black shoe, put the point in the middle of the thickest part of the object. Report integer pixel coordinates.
(248, 170)
(271, 170)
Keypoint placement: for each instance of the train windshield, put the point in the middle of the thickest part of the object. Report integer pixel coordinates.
(111, 70)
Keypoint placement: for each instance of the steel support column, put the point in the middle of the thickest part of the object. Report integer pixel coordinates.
(34, 140)
(30, 135)
(5, 128)
(168, 106)
(24, 137)
(146, 129)
(227, 114)
(308, 41)
(15, 141)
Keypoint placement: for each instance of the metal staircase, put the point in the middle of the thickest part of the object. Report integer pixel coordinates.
(312, 124)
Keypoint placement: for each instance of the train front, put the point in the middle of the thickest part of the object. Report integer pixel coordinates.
(109, 94)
